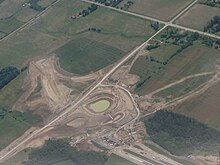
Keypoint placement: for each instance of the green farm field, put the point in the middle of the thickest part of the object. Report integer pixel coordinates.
(198, 16)
(183, 88)
(18, 158)
(204, 108)
(116, 160)
(23, 155)
(194, 59)
(56, 27)
(10, 130)
(162, 9)
(100, 106)
(13, 14)
(107, 20)
(197, 58)
(82, 56)
(13, 124)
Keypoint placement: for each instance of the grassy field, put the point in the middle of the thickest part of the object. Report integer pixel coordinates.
(13, 15)
(194, 59)
(143, 67)
(23, 155)
(45, 3)
(162, 9)
(82, 56)
(183, 88)
(12, 90)
(107, 20)
(65, 162)
(162, 152)
(17, 159)
(100, 106)
(56, 26)
(13, 124)
(204, 108)
(9, 25)
(116, 160)
(10, 129)
(198, 16)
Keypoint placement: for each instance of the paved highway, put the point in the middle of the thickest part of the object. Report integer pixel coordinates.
(169, 23)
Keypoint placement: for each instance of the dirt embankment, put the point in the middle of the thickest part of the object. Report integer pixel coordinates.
(48, 88)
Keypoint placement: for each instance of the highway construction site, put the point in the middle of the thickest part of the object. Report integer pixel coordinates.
(107, 118)
(101, 110)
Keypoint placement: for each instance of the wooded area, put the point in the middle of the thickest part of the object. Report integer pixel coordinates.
(56, 151)
(181, 135)
(7, 74)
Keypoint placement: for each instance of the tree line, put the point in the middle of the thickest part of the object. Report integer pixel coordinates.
(181, 135)
(55, 151)
(109, 3)
(212, 3)
(7, 74)
(34, 5)
(89, 10)
(213, 26)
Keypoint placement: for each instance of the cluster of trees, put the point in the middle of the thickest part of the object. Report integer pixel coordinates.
(183, 39)
(34, 5)
(186, 39)
(55, 151)
(182, 135)
(155, 25)
(95, 30)
(90, 9)
(127, 5)
(7, 74)
(152, 46)
(112, 3)
(213, 26)
(212, 3)
(179, 38)
(140, 83)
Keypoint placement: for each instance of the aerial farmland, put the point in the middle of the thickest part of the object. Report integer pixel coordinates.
(109, 82)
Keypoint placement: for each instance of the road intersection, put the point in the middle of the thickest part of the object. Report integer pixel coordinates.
(166, 23)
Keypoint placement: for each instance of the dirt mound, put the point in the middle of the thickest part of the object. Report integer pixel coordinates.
(48, 86)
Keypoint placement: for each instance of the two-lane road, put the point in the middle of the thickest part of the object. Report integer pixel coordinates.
(167, 23)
